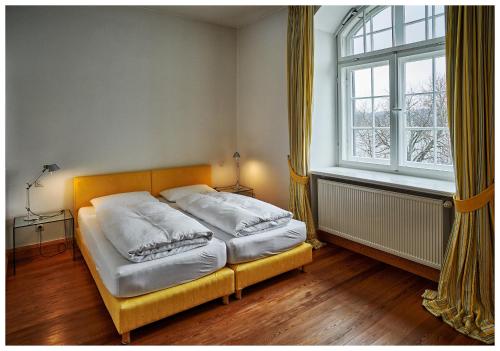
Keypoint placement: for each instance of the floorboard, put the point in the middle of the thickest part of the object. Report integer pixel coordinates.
(343, 299)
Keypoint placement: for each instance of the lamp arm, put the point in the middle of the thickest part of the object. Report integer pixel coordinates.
(30, 184)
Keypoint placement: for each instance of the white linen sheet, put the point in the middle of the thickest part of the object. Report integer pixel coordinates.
(235, 214)
(150, 230)
(253, 247)
(123, 278)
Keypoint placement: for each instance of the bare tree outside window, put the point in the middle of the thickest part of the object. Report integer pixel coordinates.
(427, 135)
(426, 121)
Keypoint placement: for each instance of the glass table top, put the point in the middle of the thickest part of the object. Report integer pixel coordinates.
(232, 188)
(54, 217)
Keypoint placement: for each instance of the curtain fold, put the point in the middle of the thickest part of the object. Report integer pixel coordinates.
(465, 295)
(300, 68)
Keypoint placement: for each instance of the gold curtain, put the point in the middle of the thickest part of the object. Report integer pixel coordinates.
(465, 296)
(300, 67)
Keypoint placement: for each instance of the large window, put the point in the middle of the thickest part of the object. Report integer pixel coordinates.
(392, 91)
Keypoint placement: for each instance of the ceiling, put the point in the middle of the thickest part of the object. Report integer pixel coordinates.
(229, 16)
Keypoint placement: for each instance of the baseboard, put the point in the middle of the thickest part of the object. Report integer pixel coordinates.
(30, 251)
(393, 260)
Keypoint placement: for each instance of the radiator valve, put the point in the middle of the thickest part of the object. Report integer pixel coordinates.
(448, 204)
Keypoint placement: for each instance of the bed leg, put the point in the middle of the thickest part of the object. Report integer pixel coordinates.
(302, 269)
(238, 294)
(126, 338)
(225, 300)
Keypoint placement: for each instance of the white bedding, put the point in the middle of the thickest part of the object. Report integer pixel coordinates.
(123, 278)
(150, 230)
(235, 214)
(253, 247)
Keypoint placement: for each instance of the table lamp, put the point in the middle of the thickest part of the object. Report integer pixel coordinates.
(32, 216)
(236, 157)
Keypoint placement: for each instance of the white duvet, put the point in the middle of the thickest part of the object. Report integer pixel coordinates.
(150, 230)
(235, 214)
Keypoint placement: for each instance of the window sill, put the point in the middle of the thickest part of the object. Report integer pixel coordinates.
(397, 181)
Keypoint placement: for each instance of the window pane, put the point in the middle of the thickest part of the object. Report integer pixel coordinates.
(439, 26)
(382, 20)
(438, 10)
(362, 143)
(418, 76)
(440, 74)
(413, 13)
(381, 112)
(359, 32)
(441, 109)
(362, 82)
(368, 28)
(414, 32)
(357, 46)
(429, 28)
(362, 116)
(443, 148)
(382, 40)
(418, 110)
(381, 80)
(383, 143)
(420, 146)
(368, 43)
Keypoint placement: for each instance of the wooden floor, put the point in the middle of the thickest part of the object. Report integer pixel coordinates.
(344, 298)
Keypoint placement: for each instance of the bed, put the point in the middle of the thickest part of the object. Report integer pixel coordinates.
(244, 268)
(131, 312)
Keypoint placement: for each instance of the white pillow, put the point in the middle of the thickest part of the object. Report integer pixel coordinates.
(175, 194)
(123, 199)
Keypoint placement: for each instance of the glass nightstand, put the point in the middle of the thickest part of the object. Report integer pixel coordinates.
(242, 190)
(66, 217)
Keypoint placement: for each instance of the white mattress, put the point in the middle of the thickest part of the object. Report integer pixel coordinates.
(125, 279)
(252, 247)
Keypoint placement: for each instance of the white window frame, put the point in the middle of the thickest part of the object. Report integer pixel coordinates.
(395, 56)
(402, 59)
(347, 130)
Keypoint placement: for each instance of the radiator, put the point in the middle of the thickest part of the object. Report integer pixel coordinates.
(405, 225)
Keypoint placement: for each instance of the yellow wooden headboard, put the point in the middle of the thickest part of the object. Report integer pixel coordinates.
(167, 178)
(86, 188)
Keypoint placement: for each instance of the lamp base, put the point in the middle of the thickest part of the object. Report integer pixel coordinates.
(31, 217)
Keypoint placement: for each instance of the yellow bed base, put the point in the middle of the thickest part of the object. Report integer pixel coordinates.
(252, 272)
(134, 312)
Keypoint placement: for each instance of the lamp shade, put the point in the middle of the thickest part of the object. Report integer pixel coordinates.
(236, 155)
(51, 168)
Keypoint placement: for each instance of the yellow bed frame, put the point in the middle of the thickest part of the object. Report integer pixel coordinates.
(134, 312)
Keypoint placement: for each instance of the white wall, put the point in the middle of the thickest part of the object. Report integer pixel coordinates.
(262, 101)
(262, 119)
(99, 89)
(324, 128)
(112, 89)
(324, 103)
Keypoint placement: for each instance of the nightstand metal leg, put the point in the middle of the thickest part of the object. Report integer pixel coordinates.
(73, 236)
(14, 250)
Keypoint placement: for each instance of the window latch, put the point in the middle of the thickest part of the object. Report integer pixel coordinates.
(396, 109)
